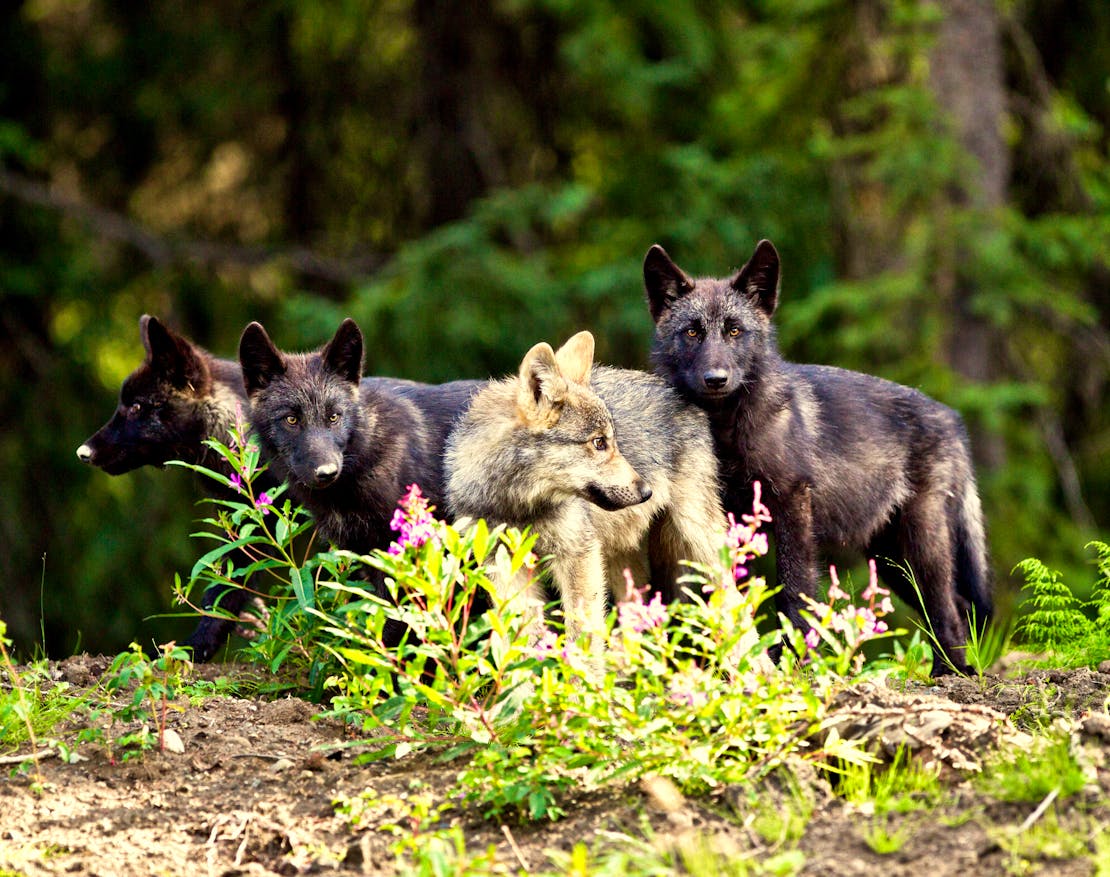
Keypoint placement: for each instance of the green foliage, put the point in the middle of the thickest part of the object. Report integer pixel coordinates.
(271, 541)
(1047, 839)
(421, 847)
(986, 645)
(884, 835)
(685, 692)
(781, 811)
(27, 712)
(902, 786)
(1051, 767)
(693, 853)
(135, 691)
(1069, 631)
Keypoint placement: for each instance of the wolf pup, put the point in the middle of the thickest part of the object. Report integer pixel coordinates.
(347, 449)
(847, 460)
(177, 398)
(592, 459)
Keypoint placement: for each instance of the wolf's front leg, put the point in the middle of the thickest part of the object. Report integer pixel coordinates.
(580, 577)
(523, 597)
(795, 551)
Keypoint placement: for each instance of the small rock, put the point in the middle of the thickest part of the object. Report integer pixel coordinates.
(281, 764)
(358, 856)
(1104, 667)
(1095, 725)
(172, 742)
(662, 794)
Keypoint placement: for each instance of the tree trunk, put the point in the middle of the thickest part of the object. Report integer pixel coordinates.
(968, 80)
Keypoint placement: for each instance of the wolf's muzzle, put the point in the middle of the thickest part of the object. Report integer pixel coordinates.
(613, 499)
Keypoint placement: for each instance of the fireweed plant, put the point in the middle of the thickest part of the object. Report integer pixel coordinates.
(684, 690)
(265, 546)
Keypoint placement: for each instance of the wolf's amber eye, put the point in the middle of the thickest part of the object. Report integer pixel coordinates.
(691, 332)
(292, 419)
(600, 444)
(136, 409)
(734, 332)
(333, 418)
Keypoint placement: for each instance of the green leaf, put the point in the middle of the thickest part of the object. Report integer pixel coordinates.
(303, 586)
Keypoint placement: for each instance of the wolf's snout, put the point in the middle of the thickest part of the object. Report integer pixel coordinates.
(85, 454)
(326, 473)
(715, 379)
(614, 499)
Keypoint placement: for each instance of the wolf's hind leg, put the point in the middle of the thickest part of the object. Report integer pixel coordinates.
(926, 546)
(636, 564)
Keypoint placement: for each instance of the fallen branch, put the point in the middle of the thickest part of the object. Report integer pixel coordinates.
(34, 756)
(166, 250)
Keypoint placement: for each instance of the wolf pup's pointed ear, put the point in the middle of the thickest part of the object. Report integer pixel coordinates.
(576, 358)
(759, 279)
(542, 387)
(171, 357)
(260, 360)
(664, 281)
(343, 354)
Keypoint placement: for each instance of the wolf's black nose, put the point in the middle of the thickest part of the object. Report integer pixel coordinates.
(645, 492)
(715, 379)
(85, 454)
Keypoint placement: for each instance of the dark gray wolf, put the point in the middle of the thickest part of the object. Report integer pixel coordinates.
(347, 448)
(177, 398)
(847, 460)
(592, 459)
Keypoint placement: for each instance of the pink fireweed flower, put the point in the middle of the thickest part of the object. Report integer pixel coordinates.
(237, 482)
(688, 688)
(743, 539)
(629, 582)
(637, 616)
(546, 644)
(852, 623)
(413, 520)
(263, 502)
(835, 591)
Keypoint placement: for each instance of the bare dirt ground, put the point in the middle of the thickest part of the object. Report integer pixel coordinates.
(253, 792)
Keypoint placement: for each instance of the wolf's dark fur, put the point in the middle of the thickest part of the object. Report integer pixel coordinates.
(847, 460)
(177, 398)
(348, 451)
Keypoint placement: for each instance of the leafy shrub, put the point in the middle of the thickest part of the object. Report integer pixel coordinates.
(686, 691)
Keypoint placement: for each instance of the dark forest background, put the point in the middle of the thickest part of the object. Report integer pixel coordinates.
(467, 178)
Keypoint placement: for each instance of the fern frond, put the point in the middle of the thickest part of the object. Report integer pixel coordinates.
(1057, 618)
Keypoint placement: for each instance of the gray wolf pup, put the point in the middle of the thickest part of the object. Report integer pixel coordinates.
(592, 459)
(847, 460)
(177, 398)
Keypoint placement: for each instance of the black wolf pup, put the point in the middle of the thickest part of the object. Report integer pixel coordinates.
(347, 450)
(177, 398)
(847, 460)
